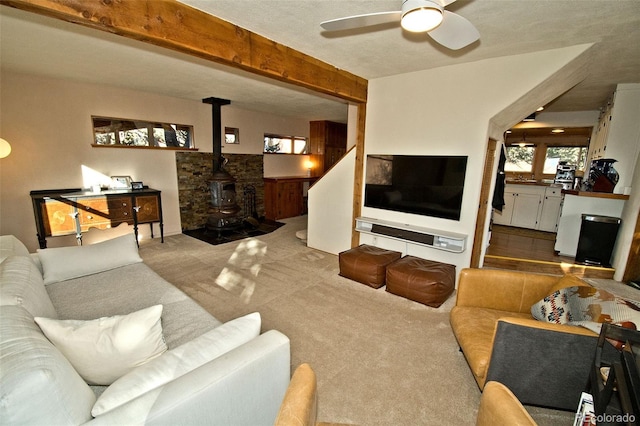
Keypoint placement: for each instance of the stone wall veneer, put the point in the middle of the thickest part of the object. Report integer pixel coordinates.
(195, 171)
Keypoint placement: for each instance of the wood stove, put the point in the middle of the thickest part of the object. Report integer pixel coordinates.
(225, 210)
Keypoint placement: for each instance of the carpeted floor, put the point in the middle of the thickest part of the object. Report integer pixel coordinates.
(380, 359)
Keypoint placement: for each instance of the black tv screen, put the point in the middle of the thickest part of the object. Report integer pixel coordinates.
(421, 184)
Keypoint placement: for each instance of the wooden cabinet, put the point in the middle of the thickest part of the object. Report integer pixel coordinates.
(148, 208)
(66, 212)
(58, 218)
(284, 197)
(104, 212)
(328, 143)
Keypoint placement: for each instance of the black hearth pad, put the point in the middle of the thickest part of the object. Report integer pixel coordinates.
(227, 236)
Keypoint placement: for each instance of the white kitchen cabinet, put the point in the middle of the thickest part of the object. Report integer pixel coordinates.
(525, 210)
(551, 207)
(522, 206)
(504, 217)
(617, 135)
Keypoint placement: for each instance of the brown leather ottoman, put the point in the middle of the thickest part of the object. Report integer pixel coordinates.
(424, 281)
(367, 264)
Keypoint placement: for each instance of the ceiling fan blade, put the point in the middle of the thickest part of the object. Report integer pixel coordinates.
(444, 3)
(455, 32)
(359, 21)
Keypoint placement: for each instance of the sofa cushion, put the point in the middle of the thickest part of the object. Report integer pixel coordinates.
(21, 284)
(11, 246)
(474, 329)
(128, 289)
(107, 348)
(64, 263)
(553, 308)
(38, 385)
(179, 361)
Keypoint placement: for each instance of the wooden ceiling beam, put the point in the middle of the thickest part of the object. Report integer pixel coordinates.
(179, 27)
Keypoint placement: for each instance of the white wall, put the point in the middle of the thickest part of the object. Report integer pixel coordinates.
(447, 111)
(48, 123)
(331, 207)
(252, 127)
(627, 228)
(352, 125)
(623, 138)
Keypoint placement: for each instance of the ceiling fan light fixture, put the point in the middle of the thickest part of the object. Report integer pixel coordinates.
(419, 16)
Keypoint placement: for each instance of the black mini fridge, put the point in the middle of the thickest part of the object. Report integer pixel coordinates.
(597, 237)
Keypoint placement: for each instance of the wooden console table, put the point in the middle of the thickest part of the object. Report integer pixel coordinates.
(74, 211)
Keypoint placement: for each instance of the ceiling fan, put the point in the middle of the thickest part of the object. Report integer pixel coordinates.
(447, 28)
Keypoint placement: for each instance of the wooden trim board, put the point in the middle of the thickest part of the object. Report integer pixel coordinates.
(176, 26)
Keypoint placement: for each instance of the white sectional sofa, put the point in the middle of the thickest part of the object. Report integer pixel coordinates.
(196, 371)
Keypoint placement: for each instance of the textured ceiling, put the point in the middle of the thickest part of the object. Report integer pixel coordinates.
(34, 44)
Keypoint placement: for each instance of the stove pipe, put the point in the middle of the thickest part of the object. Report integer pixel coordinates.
(216, 104)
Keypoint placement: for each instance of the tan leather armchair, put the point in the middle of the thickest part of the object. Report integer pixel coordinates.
(499, 406)
(541, 363)
(300, 404)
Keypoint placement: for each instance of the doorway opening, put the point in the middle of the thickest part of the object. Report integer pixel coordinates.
(515, 248)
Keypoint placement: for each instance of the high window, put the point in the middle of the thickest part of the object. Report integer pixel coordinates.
(120, 132)
(279, 144)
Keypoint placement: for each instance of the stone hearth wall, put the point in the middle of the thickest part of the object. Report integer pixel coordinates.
(195, 171)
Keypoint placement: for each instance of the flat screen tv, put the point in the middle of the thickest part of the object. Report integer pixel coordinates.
(420, 184)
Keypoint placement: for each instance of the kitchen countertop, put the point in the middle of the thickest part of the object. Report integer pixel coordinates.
(595, 194)
(568, 191)
(290, 178)
(532, 182)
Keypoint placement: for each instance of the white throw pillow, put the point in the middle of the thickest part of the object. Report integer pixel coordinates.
(105, 349)
(179, 361)
(21, 284)
(65, 263)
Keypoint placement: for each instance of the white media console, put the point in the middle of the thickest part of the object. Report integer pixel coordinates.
(441, 240)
